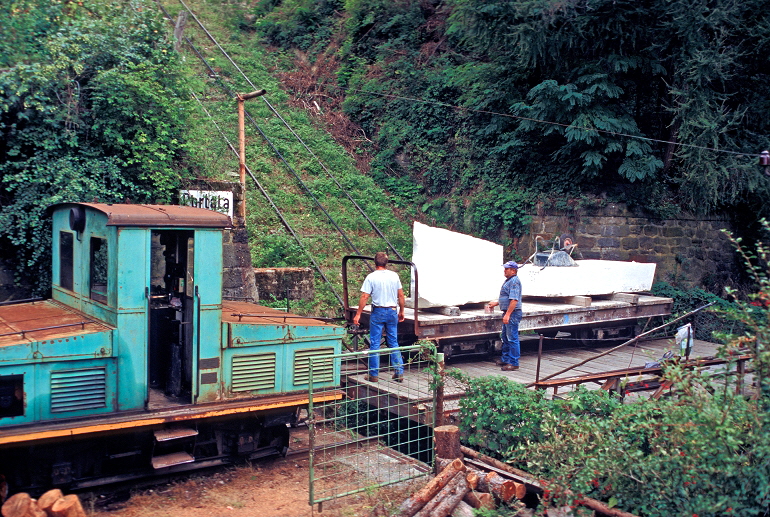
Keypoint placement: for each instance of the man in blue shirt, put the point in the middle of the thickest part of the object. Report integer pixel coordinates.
(384, 286)
(510, 303)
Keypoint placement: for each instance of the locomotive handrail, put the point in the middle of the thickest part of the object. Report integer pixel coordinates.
(26, 300)
(240, 315)
(22, 332)
(414, 295)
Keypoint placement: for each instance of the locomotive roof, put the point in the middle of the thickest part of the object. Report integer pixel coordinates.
(156, 215)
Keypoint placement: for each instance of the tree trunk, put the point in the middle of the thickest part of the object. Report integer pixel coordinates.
(68, 506)
(447, 441)
(47, 500)
(503, 489)
(419, 499)
(430, 508)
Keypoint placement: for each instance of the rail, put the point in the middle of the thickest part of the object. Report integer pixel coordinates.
(52, 327)
(346, 301)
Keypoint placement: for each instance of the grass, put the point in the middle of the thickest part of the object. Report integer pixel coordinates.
(272, 245)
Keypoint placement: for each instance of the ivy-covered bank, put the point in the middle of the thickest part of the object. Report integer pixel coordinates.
(475, 111)
(90, 108)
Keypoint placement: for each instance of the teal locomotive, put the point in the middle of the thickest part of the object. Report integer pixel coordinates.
(137, 366)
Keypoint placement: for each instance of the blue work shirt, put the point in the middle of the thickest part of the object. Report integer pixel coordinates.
(511, 290)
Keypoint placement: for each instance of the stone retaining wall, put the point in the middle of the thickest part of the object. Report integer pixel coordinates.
(689, 251)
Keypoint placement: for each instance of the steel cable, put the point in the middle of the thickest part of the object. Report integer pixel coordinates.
(270, 106)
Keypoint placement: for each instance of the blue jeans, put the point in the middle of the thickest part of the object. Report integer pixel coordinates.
(387, 319)
(510, 335)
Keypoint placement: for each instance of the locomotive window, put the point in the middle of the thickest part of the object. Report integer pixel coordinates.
(98, 269)
(65, 260)
(11, 395)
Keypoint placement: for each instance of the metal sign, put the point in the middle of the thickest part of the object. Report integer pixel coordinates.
(217, 200)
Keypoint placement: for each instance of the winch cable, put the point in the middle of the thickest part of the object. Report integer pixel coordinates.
(267, 139)
(270, 106)
(270, 201)
(334, 179)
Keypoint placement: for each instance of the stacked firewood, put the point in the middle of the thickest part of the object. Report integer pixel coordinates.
(461, 484)
(51, 504)
(458, 489)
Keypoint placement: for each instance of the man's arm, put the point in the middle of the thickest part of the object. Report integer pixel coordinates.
(507, 315)
(401, 305)
(361, 304)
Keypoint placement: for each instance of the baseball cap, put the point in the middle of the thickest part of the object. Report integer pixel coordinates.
(511, 265)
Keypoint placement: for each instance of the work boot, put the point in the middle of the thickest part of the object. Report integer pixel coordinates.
(509, 368)
(371, 378)
(398, 377)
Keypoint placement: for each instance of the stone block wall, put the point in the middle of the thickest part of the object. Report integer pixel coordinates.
(296, 283)
(688, 251)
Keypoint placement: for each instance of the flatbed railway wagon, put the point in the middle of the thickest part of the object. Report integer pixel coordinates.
(469, 329)
(136, 365)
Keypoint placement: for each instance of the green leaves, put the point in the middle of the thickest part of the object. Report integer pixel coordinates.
(96, 112)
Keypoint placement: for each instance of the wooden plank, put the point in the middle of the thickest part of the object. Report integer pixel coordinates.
(631, 298)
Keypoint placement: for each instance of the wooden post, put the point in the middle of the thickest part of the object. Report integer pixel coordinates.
(447, 442)
(539, 358)
(242, 97)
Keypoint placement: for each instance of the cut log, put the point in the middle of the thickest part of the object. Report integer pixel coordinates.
(451, 488)
(516, 474)
(447, 441)
(445, 507)
(417, 500)
(504, 489)
(20, 505)
(480, 500)
(473, 480)
(462, 509)
(47, 500)
(68, 506)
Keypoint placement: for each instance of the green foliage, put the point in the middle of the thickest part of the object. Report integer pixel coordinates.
(705, 323)
(92, 112)
(561, 97)
(303, 24)
(704, 451)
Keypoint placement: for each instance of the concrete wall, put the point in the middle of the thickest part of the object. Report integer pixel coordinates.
(687, 250)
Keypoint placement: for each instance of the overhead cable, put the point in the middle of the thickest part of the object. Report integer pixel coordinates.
(272, 108)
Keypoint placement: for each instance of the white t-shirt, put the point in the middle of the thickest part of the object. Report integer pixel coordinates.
(383, 286)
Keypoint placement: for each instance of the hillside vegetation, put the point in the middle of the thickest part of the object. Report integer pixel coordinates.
(462, 113)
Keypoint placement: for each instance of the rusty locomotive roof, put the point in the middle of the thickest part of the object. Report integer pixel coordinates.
(43, 320)
(156, 215)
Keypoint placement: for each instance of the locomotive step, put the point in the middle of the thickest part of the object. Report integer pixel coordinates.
(169, 460)
(165, 435)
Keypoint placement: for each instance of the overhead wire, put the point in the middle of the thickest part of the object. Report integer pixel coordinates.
(315, 157)
(548, 122)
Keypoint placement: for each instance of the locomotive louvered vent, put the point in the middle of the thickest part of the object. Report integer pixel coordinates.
(253, 372)
(323, 365)
(76, 390)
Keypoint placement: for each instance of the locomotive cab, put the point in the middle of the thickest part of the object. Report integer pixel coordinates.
(134, 267)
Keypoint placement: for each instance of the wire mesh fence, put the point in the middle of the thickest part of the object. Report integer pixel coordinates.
(381, 431)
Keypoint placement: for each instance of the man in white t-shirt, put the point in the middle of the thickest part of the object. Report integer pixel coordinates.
(384, 286)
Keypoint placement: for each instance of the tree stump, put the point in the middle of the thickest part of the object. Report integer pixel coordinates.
(447, 441)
